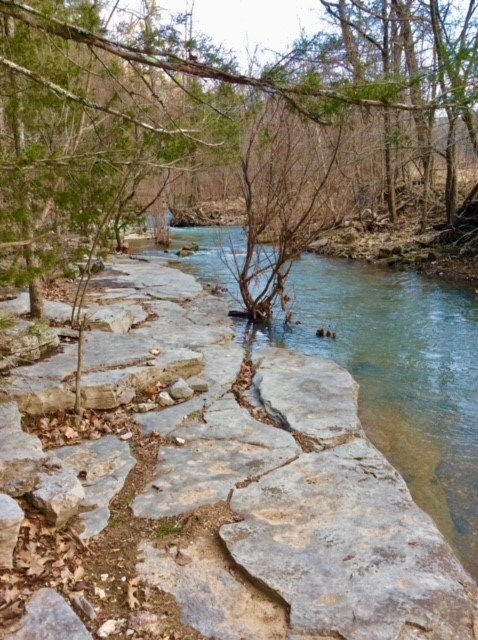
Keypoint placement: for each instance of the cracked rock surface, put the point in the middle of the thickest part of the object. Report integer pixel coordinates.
(337, 536)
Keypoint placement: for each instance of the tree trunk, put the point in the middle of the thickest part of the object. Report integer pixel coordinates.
(389, 172)
(451, 189)
(35, 285)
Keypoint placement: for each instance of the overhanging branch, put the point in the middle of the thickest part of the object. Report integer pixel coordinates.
(170, 62)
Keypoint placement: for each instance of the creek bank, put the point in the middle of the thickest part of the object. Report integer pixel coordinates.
(330, 534)
(402, 245)
(210, 213)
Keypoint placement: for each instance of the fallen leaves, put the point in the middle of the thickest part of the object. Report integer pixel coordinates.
(63, 428)
(44, 557)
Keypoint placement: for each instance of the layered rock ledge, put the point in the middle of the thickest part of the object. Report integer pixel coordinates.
(326, 541)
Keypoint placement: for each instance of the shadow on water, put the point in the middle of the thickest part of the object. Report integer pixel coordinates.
(411, 343)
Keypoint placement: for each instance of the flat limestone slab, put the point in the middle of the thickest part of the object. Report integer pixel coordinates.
(203, 322)
(106, 464)
(160, 281)
(222, 366)
(311, 395)
(16, 306)
(117, 318)
(202, 472)
(167, 420)
(338, 537)
(49, 617)
(211, 599)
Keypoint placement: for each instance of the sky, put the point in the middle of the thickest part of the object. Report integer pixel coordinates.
(243, 25)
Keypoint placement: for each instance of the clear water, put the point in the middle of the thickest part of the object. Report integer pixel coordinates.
(412, 344)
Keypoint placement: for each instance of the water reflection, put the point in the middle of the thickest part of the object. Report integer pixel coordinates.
(411, 343)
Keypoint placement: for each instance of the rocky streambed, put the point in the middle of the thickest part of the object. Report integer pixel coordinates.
(317, 537)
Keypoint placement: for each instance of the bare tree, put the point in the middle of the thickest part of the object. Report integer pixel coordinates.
(285, 169)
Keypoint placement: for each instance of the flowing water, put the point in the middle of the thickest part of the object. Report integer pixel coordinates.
(411, 343)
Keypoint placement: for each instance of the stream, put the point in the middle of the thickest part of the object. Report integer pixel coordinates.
(411, 343)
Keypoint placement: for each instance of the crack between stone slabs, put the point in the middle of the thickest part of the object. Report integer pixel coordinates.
(240, 484)
(279, 421)
(238, 389)
(256, 582)
(305, 441)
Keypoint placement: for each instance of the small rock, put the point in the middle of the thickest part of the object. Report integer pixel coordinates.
(101, 593)
(198, 384)
(58, 496)
(180, 390)
(107, 628)
(95, 266)
(180, 441)
(165, 400)
(11, 518)
(144, 407)
(151, 363)
(126, 436)
(155, 352)
(383, 252)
